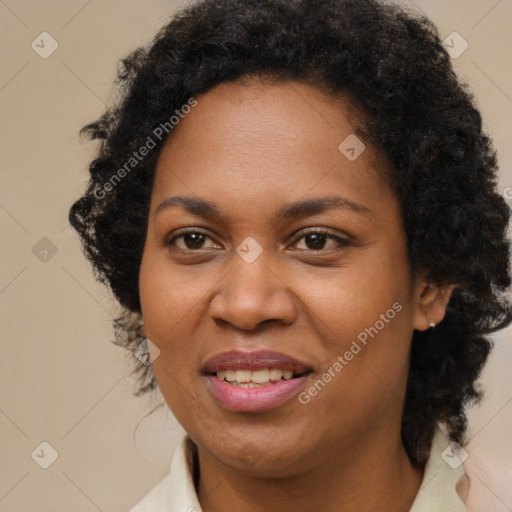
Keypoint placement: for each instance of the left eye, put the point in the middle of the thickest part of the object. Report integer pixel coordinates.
(316, 240)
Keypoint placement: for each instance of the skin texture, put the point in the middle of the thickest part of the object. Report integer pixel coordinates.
(251, 148)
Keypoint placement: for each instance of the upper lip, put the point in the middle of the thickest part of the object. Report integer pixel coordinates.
(256, 360)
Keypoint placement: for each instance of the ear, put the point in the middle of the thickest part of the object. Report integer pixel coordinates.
(430, 303)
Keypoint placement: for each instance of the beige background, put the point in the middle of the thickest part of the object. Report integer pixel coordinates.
(61, 381)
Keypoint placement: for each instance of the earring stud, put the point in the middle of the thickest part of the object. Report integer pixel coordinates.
(431, 322)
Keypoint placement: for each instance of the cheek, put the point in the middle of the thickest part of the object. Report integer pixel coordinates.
(167, 296)
(168, 302)
(352, 298)
(364, 369)
(164, 303)
(363, 314)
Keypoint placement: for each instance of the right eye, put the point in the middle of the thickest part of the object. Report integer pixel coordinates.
(190, 240)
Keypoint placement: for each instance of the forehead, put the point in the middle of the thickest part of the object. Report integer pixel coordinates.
(260, 140)
(293, 115)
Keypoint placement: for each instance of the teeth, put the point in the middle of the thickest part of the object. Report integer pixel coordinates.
(252, 379)
(243, 376)
(287, 374)
(259, 376)
(230, 375)
(276, 374)
(247, 385)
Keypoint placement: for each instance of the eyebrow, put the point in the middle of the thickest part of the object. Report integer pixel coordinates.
(210, 211)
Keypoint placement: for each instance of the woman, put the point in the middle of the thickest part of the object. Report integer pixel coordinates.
(296, 206)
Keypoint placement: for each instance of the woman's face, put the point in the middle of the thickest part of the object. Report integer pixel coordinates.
(262, 177)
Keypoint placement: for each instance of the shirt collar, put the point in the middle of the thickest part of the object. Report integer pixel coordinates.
(438, 490)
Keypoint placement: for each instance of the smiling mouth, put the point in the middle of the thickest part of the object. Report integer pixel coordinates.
(256, 378)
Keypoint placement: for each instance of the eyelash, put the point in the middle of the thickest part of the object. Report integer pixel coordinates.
(342, 242)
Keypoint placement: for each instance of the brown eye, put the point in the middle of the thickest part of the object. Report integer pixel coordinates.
(191, 240)
(317, 240)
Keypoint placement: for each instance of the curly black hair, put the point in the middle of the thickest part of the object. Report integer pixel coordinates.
(391, 63)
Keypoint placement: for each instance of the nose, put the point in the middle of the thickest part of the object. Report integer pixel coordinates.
(251, 294)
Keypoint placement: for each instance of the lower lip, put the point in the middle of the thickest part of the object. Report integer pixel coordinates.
(258, 399)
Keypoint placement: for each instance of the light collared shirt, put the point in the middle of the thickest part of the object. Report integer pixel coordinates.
(437, 493)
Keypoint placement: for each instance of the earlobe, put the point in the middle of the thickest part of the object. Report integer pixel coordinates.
(431, 323)
(431, 302)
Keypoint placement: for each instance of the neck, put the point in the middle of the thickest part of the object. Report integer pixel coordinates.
(364, 477)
